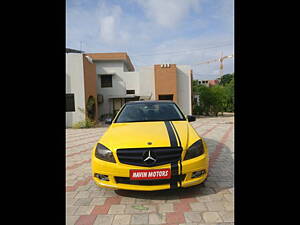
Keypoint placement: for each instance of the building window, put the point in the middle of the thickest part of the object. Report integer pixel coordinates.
(70, 104)
(165, 97)
(106, 81)
(130, 91)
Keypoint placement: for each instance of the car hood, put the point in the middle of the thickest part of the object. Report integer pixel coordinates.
(139, 134)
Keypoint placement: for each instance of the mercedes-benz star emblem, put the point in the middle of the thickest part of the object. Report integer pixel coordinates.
(149, 159)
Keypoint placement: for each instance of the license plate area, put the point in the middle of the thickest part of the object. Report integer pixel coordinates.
(154, 174)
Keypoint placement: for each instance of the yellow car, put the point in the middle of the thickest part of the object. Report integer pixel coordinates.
(150, 146)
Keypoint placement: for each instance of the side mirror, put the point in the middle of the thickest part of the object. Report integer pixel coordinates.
(108, 121)
(191, 118)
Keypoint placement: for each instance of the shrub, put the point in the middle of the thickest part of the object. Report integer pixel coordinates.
(215, 99)
(86, 123)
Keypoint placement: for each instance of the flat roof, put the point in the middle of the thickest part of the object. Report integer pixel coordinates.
(113, 56)
(70, 50)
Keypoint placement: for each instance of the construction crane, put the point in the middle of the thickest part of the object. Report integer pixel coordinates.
(218, 60)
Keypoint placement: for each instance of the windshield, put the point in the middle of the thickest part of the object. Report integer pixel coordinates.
(142, 112)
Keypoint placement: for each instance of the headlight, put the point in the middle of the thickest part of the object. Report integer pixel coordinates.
(104, 153)
(195, 150)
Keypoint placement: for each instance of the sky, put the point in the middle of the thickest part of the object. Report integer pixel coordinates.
(183, 32)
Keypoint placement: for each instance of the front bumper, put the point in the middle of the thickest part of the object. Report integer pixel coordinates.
(113, 170)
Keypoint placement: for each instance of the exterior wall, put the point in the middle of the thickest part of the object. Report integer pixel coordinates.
(184, 89)
(90, 82)
(121, 56)
(165, 81)
(75, 85)
(121, 81)
(106, 67)
(147, 82)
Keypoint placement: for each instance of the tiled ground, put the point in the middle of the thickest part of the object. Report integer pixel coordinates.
(211, 203)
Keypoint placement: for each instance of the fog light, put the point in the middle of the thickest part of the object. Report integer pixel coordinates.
(101, 176)
(198, 173)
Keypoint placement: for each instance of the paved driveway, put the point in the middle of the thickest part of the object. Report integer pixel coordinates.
(211, 203)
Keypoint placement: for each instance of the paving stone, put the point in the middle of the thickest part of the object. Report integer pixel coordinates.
(211, 217)
(134, 208)
(175, 217)
(70, 201)
(224, 184)
(71, 220)
(98, 201)
(210, 198)
(142, 201)
(104, 220)
(158, 201)
(224, 191)
(121, 219)
(228, 206)
(97, 193)
(100, 209)
(207, 190)
(165, 207)
(71, 210)
(86, 219)
(198, 206)
(94, 187)
(211, 184)
(83, 210)
(109, 193)
(83, 201)
(117, 209)
(173, 201)
(191, 217)
(139, 219)
(157, 218)
(227, 216)
(215, 205)
(70, 182)
(127, 200)
(83, 188)
(191, 224)
(71, 194)
(229, 197)
(82, 194)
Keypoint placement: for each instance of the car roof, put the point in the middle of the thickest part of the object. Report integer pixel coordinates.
(149, 102)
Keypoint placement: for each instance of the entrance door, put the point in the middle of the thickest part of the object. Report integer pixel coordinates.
(117, 104)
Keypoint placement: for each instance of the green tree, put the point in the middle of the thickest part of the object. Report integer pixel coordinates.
(216, 99)
(218, 93)
(206, 99)
(225, 79)
(230, 96)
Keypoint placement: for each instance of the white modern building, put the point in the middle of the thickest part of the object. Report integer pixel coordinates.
(116, 82)
(80, 88)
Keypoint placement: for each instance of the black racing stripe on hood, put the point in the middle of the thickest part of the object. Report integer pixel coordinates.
(180, 163)
(171, 134)
(176, 134)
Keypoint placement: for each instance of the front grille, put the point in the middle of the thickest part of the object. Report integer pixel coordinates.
(136, 156)
(126, 180)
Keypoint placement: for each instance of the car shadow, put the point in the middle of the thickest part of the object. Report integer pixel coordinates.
(220, 177)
